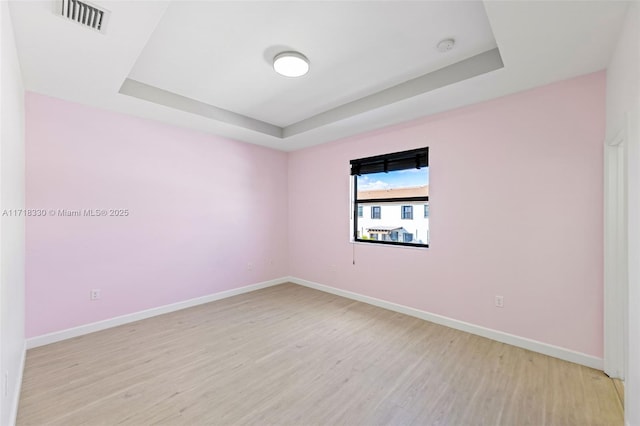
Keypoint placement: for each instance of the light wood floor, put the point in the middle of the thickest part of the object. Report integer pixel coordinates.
(292, 355)
(619, 390)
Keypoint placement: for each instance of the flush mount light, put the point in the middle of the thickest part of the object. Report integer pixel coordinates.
(291, 64)
(446, 45)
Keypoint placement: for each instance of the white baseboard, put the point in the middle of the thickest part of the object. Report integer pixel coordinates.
(522, 342)
(57, 336)
(13, 417)
(511, 339)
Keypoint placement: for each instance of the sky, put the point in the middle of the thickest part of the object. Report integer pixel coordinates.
(397, 179)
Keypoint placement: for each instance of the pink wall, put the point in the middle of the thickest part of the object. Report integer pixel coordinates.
(516, 210)
(516, 202)
(201, 209)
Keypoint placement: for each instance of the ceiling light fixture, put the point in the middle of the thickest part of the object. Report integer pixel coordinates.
(291, 64)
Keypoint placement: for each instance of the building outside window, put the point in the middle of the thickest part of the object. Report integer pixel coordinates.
(392, 186)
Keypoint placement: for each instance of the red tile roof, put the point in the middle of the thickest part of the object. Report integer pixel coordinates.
(415, 191)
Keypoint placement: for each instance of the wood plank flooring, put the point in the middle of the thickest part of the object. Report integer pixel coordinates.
(290, 355)
(620, 390)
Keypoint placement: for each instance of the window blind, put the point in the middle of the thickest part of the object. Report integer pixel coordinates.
(412, 159)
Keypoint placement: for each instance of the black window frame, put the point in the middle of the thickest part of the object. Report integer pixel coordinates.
(404, 216)
(404, 160)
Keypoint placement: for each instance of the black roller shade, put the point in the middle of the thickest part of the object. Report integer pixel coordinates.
(413, 159)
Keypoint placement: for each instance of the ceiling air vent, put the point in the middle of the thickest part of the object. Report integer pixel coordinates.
(84, 14)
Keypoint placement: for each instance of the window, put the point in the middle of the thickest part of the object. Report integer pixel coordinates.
(392, 186)
(407, 212)
(426, 210)
(376, 212)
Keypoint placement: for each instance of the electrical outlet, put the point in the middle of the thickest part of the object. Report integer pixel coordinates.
(249, 266)
(94, 294)
(499, 301)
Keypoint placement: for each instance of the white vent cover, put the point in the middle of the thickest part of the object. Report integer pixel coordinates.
(84, 13)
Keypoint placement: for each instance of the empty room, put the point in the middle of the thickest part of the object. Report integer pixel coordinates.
(320, 212)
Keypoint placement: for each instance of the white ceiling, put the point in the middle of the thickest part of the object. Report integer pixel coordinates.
(223, 56)
(206, 65)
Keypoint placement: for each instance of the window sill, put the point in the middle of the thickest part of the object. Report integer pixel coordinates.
(390, 244)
